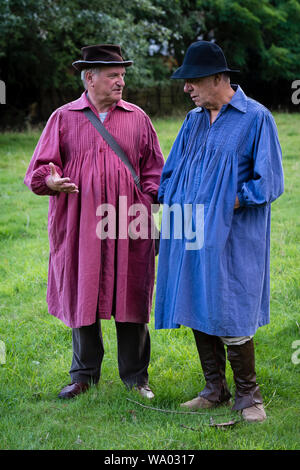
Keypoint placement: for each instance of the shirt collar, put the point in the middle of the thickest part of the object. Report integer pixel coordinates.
(122, 104)
(238, 101)
(83, 102)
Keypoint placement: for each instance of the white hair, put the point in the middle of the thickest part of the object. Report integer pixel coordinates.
(83, 72)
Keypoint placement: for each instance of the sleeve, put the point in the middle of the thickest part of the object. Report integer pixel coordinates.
(152, 162)
(267, 182)
(172, 160)
(47, 150)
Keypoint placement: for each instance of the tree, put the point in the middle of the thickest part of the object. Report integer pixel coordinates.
(39, 40)
(259, 37)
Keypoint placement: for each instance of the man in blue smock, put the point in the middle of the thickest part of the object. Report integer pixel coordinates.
(217, 186)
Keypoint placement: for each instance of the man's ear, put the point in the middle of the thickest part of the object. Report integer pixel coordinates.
(217, 78)
(89, 77)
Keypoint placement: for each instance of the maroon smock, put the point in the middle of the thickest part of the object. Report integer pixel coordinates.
(86, 274)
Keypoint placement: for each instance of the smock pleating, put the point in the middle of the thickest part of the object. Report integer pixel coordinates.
(90, 277)
(222, 286)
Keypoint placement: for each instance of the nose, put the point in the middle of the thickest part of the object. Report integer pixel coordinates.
(187, 87)
(121, 82)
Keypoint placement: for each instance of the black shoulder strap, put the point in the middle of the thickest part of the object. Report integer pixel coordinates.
(113, 144)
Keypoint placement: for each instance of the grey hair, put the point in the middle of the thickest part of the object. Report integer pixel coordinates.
(83, 72)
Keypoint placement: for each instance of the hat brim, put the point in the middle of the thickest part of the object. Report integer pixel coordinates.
(84, 64)
(197, 72)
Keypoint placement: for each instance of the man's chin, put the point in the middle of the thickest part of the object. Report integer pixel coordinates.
(197, 102)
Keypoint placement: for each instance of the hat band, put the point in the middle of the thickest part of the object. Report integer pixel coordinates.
(103, 62)
(197, 72)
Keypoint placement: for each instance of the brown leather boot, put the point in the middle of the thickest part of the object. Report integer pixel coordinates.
(242, 361)
(213, 361)
(73, 389)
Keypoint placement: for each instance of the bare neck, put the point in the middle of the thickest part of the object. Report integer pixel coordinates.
(101, 105)
(224, 97)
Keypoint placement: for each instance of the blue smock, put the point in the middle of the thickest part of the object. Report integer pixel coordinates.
(221, 288)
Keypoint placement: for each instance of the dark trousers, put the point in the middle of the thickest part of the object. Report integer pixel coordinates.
(133, 353)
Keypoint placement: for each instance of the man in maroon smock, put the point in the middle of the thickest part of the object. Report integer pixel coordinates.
(91, 276)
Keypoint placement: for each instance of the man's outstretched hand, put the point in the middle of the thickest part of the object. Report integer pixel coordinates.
(56, 183)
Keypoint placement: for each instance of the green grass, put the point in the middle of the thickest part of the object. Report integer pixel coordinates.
(38, 346)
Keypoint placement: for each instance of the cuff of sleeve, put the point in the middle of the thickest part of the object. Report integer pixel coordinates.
(38, 181)
(249, 201)
(150, 192)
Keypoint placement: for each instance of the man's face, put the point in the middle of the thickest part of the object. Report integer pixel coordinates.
(202, 90)
(107, 85)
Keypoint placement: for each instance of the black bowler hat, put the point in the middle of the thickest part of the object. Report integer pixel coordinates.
(203, 58)
(101, 54)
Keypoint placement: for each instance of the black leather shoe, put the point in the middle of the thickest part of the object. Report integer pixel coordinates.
(74, 389)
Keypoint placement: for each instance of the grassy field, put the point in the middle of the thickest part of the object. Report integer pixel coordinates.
(38, 346)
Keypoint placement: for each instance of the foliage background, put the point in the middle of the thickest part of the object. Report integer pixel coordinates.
(39, 40)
